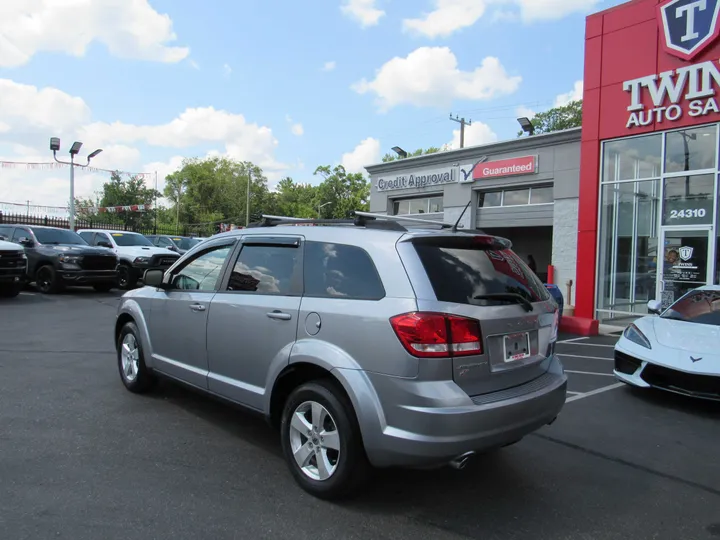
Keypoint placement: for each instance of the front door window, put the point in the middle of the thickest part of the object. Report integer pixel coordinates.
(686, 258)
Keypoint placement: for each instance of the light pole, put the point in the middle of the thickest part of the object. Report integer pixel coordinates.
(74, 150)
(321, 207)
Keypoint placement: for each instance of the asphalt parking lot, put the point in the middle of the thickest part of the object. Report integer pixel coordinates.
(82, 458)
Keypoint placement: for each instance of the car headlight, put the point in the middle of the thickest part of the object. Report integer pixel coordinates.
(634, 334)
(70, 259)
(142, 260)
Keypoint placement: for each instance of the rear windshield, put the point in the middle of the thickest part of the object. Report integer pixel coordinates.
(464, 268)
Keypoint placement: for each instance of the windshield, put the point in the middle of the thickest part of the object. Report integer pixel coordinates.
(130, 239)
(464, 271)
(701, 307)
(184, 243)
(58, 236)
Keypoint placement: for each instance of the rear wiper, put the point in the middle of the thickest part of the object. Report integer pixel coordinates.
(512, 297)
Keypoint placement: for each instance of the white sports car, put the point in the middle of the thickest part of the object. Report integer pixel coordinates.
(678, 349)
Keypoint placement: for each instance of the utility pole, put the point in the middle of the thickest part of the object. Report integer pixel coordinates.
(247, 210)
(462, 123)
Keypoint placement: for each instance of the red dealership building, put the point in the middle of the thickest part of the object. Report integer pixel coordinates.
(647, 225)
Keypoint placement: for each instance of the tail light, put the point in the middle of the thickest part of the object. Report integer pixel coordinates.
(437, 335)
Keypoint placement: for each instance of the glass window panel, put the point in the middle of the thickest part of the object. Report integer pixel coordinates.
(628, 159)
(436, 204)
(489, 199)
(401, 207)
(689, 200)
(418, 206)
(516, 197)
(541, 195)
(690, 149)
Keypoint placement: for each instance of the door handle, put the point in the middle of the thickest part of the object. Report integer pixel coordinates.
(279, 315)
(197, 307)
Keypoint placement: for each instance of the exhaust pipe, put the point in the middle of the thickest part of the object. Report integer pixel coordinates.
(461, 461)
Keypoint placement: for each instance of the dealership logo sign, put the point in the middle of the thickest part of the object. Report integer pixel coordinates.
(689, 90)
(688, 26)
(685, 253)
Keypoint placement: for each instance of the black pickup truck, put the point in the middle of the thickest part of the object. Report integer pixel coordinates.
(13, 266)
(57, 258)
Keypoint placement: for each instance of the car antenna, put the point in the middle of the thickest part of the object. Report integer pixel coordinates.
(455, 227)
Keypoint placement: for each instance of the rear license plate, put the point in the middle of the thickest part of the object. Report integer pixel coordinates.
(516, 346)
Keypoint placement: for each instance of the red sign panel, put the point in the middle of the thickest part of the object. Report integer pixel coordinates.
(506, 167)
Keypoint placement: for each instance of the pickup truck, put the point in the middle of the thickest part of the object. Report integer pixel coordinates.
(57, 258)
(136, 253)
(13, 267)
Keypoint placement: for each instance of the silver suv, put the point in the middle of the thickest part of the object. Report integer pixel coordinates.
(368, 344)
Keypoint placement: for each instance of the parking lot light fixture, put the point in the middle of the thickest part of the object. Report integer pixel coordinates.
(74, 151)
(402, 154)
(526, 125)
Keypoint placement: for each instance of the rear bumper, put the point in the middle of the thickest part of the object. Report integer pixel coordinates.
(449, 422)
(87, 277)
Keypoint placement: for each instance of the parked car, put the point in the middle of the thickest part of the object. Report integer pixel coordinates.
(135, 252)
(366, 345)
(13, 267)
(554, 290)
(57, 258)
(675, 349)
(178, 244)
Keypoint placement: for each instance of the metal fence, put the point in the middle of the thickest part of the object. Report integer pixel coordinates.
(83, 223)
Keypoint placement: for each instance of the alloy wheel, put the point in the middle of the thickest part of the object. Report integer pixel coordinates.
(130, 357)
(315, 440)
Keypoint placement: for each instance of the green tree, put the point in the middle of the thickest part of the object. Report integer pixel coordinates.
(120, 191)
(294, 200)
(558, 118)
(215, 189)
(419, 152)
(341, 192)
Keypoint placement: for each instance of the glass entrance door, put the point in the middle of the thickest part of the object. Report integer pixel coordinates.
(686, 262)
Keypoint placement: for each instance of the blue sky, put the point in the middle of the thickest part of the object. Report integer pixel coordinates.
(288, 85)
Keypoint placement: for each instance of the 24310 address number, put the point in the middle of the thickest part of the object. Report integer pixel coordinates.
(688, 213)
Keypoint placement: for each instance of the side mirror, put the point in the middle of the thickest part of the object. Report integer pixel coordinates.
(103, 243)
(25, 241)
(3, 237)
(154, 278)
(654, 307)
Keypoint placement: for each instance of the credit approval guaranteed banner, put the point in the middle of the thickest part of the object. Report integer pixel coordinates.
(506, 167)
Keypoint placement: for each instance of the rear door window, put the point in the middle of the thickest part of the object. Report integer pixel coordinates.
(340, 271)
(462, 268)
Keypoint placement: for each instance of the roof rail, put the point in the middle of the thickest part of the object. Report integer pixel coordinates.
(402, 218)
(358, 221)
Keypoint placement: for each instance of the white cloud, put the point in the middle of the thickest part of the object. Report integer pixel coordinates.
(429, 76)
(329, 66)
(475, 134)
(363, 11)
(227, 70)
(447, 17)
(524, 111)
(296, 128)
(450, 16)
(129, 29)
(573, 95)
(30, 115)
(365, 153)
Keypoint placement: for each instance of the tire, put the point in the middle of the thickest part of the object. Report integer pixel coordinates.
(133, 372)
(126, 278)
(103, 287)
(348, 468)
(47, 281)
(10, 291)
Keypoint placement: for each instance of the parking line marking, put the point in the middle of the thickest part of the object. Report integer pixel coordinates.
(27, 293)
(590, 373)
(589, 344)
(587, 357)
(595, 392)
(573, 339)
(573, 393)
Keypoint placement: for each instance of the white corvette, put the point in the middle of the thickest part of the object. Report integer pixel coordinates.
(678, 349)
